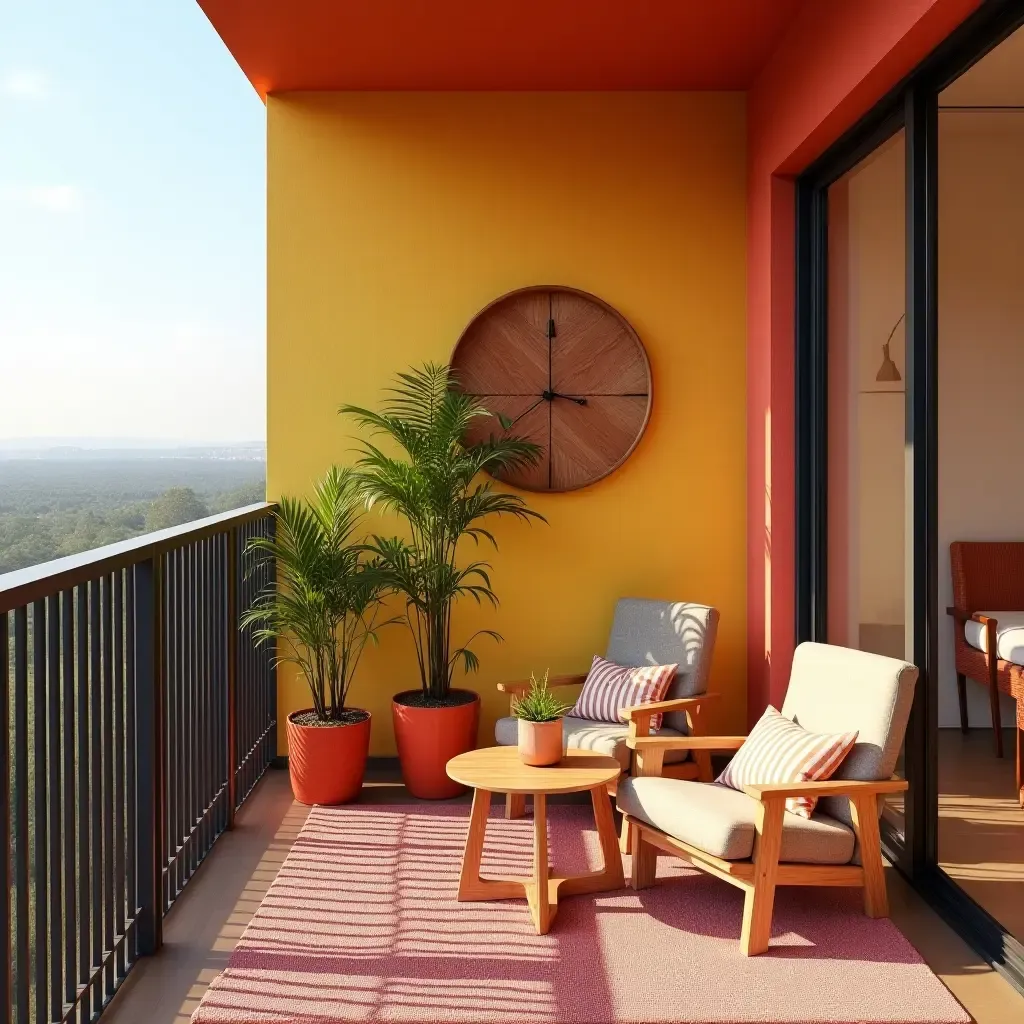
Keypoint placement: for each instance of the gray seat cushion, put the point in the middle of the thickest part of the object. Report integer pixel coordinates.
(601, 737)
(720, 821)
(646, 632)
(836, 689)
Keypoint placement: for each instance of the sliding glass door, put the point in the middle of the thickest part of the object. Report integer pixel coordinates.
(910, 328)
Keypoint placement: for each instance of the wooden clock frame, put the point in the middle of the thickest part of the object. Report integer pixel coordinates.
(533, 338)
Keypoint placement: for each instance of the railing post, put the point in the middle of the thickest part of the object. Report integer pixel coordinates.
(271, 654)
(149, 682)
(6, 952)
(232, 651)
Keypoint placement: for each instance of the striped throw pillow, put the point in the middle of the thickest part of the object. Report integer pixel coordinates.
(778, 750)
(609, 688)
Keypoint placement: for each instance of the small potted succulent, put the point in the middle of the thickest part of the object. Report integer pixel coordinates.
(540, 715)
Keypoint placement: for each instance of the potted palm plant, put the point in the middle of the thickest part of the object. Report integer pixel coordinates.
(322, 609)
(436, 482)
(540, 715)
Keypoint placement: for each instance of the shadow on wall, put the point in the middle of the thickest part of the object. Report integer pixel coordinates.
(648, 632)
(664, 633)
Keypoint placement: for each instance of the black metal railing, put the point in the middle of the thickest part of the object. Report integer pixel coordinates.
(136, 717)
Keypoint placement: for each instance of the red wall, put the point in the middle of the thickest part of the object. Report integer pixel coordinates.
(835, 61)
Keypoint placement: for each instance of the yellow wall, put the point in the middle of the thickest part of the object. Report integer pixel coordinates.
(394, 217)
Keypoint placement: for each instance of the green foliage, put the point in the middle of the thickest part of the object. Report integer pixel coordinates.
(174, 507)
(323, 608)
(51, 507)
(435, 485)
(539, 704)
(249, 494)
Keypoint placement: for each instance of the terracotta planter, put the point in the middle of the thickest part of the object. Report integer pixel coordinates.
(326, 762)
(540, 743)
(428, 738)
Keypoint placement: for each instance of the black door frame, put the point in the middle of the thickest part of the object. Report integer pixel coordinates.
(913, 107)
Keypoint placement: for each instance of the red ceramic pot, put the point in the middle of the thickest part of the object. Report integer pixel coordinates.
(326, 762)
(429, 737)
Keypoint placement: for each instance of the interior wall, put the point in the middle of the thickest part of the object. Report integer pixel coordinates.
(981, 356)
(866, 416)
(877, 203)
(867, 574)
(394, 217)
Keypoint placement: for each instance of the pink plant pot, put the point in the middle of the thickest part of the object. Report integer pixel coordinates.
(540, 743)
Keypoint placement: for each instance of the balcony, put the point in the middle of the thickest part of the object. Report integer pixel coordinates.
(143, 826)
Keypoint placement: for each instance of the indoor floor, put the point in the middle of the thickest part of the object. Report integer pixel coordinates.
(981, 823)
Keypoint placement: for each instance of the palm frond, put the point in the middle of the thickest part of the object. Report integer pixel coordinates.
(435, 485)
(323, 604)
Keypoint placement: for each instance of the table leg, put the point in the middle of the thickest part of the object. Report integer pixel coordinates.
(538, 895)
(610, 875)
(543, 889)
(473, 852)
(605, 821)
(515, 805)
(471, 886)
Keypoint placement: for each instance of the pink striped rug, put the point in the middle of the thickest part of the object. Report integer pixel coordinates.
(362, 924)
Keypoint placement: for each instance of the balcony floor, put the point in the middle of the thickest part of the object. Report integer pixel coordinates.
(203, 926)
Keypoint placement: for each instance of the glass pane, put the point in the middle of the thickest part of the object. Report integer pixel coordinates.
(868, 579)
(981, 362)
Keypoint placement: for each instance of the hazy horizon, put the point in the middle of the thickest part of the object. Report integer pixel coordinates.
(125, 441)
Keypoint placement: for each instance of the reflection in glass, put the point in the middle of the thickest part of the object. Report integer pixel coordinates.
(868, 470)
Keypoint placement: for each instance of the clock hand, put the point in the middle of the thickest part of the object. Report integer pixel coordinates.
(546, 396)
(550, 396)
(511, 423)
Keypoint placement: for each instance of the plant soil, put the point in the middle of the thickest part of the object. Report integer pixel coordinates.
(418, 699)
(348, 716)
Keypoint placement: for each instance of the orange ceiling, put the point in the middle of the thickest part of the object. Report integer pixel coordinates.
(500, 44)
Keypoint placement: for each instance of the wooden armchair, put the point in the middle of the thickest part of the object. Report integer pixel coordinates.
(643, 632)
(748, 838)
(988, 628)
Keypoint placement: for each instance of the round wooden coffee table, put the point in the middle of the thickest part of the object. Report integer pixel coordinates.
(499, 770)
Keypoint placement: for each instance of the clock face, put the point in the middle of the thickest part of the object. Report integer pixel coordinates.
(571, 375)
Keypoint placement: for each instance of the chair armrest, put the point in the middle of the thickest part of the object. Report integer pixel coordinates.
(638, 711)
(523, 685)
(831, 787)
(515, 688)
(709, 743)
(960, 616)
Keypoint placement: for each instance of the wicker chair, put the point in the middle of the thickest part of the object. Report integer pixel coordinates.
(987, 577)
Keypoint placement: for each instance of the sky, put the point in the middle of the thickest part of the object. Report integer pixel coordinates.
(132, 225)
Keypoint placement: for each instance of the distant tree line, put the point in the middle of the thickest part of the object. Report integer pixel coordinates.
(43, 519)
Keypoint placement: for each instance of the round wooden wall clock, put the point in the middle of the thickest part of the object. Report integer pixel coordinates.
(570, 374)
